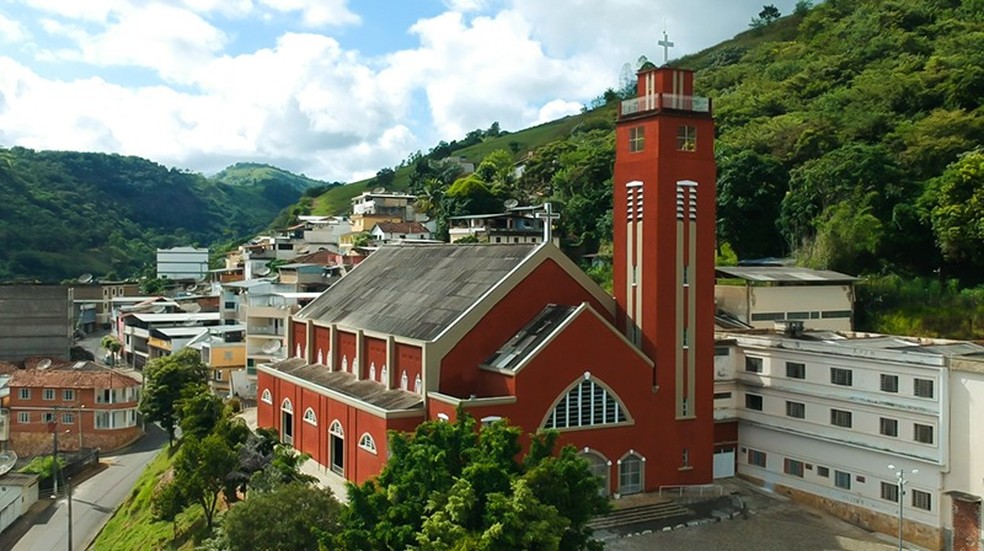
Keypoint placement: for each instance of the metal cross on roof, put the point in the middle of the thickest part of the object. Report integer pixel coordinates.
(666, 44)
(548, 216)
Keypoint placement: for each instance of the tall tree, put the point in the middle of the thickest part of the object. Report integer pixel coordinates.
(294, 516)
(200, 470)
(166, 380)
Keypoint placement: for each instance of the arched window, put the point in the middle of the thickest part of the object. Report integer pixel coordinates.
(600, 467)
(310, 417)
(586, 404)
(417, 384)
(372, 371)
(489, 419)
(266, 396)
(367, 443)
(630, 471)
(443, 417)
(336, 429)
(404, 381)
(287, 406)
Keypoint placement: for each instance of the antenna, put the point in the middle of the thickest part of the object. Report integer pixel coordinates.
(379, 190)
(85, 278)
(44, 364)
(192, 307)
(511, 203)
(271, 347)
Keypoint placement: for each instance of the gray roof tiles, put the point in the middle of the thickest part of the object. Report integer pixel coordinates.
(345, 383)
(415, 291)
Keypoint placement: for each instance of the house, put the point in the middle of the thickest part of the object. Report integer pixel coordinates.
(88, 405)
(394, 232)
(821, 415)
(516, 225)
(223, 350)
(518, 331)
(100, 295)
(35, 320)
(182, 263)
(18, 492)
(160, 330)
(760, 295)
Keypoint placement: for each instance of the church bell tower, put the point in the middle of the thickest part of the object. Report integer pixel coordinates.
(664, 231)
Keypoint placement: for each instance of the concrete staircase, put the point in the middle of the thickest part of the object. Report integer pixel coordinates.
(638, 514)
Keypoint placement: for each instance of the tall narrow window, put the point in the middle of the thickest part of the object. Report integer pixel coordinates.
(637, 139)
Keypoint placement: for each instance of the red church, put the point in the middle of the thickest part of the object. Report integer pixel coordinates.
(518, 331)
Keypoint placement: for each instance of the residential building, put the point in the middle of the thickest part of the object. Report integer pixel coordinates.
(86, 404)
(820, 416)
(760, 295)
(164, 331)
(516, 225)
(182, 263)
(518, 331)
(396, 232)
(35, 320)
(223, 350)
(18, 492)
(100, 295)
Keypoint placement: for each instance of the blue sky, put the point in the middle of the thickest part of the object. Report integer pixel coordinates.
(336, 89)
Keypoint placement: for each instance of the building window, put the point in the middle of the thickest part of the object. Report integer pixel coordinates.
(68, 418)
(842, 480)
(310, 418)
(47, 417)
(795, 370)
(753, 401)
(796, 409)
(336, 429)
(68, 395)
(637, 138)
(24, 394)
(266, 397)
(630, 474)
(888, 427)
(890, 491)
(923, 388)
(842, 377)
(922, 500)
(922, 433)
(840, 418)
(722, 351)
(687, 138)
(756, 458)
(753, 365)
(23, 417)
(889, 383)
(722, 395)
(367, 443)
(823, 472)
(587, 404)
(218, 374)
(792, 467)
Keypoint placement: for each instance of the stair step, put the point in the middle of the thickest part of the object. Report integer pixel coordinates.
(639, 514)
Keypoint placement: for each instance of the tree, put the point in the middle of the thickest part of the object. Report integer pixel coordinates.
(112, 345)
(294, 516)
(199, 411)
(750, 189)
(200, 470)
(283, 468)
(955, 208)
(769, 13)
(152, 286)
(385, 177)
(449, 486)
(166, 380)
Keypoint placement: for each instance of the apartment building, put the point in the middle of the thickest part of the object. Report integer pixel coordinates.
(830, 418)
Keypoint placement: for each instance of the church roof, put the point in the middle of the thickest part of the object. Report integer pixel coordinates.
(370, 392)
(522, 344)
(416, 291)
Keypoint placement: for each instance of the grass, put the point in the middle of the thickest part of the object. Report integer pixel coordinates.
(133, 527)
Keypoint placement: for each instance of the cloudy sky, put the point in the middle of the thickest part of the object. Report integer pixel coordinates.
(335, 89)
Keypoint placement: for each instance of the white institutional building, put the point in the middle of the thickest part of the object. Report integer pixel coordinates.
(822, 416)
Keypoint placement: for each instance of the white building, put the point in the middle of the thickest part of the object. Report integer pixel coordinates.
(182, 263)
(822, 415)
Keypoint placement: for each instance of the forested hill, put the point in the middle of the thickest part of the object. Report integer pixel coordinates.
(65, 213)
(836, 129)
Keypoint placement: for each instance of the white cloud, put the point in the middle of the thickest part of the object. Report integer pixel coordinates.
(12, 31)
(464, 6)
(556, 109)
(317, 13)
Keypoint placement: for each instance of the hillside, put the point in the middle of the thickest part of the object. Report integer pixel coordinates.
(835, 130)
(67, 213)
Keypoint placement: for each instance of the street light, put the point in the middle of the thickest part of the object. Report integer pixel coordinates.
(900, 482)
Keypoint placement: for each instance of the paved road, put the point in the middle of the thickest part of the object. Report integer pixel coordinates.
(94, 500)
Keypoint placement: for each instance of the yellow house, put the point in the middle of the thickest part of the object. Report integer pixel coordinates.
(223, 350)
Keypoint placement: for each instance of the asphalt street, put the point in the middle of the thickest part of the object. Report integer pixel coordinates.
(94, 499)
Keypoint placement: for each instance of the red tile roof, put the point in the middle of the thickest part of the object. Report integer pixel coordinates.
(72, 375)
(402, 227)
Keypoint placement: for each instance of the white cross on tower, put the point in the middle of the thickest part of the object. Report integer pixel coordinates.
(666, 44)
(548, 216)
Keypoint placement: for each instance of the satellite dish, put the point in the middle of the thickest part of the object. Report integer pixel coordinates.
(190, 322)
(271, 346)
(85, 278)
(511, 203)
(7, 461)
(44, 364)
(192, 307)
(190, 287)
(379, 190)
(158, 309)
(264, 271)
(201, 278)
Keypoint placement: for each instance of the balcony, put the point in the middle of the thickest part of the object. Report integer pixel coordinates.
(659, 102)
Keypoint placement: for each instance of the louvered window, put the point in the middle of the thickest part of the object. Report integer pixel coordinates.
(587, 404)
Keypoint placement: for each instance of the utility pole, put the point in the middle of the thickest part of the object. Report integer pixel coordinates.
(68, 491)
(901, 482)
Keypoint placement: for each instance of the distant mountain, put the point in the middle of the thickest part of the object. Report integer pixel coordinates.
(68, 213)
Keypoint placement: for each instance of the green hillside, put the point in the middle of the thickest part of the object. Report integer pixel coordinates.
(67, 213)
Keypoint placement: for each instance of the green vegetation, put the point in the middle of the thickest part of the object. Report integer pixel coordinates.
(168, 380)
(68, 213)
(922, 307)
